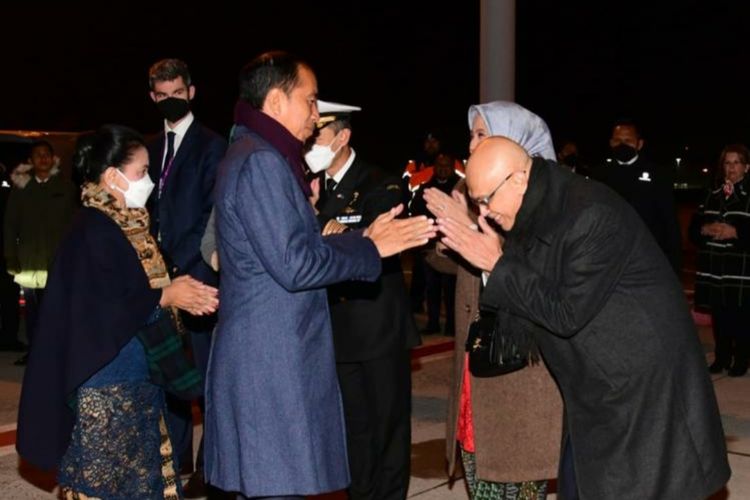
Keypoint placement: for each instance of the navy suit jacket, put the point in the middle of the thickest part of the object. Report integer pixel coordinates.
(181, 213)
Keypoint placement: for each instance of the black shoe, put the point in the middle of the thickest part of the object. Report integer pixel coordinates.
(717, 367)
(196, 486)
(22, 360)
(738, 370)
(429, 330)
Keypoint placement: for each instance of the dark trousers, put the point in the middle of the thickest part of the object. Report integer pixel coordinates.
(377, 407)
(440, 285)
(9, 310)
(732, 336)
(33, 300)
(179, 412)
(567, 485)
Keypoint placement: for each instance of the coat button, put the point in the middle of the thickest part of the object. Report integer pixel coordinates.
(467, 308)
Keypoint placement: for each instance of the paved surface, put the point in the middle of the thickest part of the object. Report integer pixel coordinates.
(431, 379)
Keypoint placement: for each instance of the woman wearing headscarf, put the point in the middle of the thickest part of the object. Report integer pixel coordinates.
(721, 230)
(508, 428)
(92, 404)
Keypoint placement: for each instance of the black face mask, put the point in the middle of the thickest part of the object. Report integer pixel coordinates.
(173, 108)
(624, 153)
(570, 160)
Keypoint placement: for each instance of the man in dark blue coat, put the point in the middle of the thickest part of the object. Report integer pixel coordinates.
(581, 276)
(274, 421)
(183, 157)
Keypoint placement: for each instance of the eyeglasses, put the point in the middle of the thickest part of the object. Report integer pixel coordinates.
(485, 200)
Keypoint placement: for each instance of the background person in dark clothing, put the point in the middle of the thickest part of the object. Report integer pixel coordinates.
(183, 160)
(440, 282)
(648, 187)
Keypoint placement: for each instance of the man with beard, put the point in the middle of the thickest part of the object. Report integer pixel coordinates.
(646, 186)
(183, 158)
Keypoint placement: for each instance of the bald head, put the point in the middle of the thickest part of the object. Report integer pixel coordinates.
(497, 177)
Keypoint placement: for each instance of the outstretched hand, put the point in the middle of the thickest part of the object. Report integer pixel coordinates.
(482, 249)
(391, 235)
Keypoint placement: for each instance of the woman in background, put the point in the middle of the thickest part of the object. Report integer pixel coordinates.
(721, 230)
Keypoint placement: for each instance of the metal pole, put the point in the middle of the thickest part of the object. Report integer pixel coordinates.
(497, 50)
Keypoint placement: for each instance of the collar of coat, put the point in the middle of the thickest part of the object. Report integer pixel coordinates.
(22, 174)
(528, 225)
(277, 136)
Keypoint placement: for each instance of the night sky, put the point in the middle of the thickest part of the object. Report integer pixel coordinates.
(682, 73)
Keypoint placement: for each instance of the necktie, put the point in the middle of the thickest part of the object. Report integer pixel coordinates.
(167, 161)
(330, 185)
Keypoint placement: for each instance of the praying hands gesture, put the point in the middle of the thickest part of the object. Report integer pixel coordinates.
(443, 206)
(480, 245)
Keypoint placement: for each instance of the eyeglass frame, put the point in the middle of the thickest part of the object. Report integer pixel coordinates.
(485, 200)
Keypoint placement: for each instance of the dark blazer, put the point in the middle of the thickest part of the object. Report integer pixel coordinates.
(182, 212)
(97, 297)
(649, 188)
(369, 320)
(581, 272)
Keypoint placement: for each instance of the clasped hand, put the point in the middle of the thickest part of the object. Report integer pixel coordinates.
(719, 231)
(190, 295)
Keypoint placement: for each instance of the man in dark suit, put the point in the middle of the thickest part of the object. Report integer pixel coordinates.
(183, 158)
(648, 187)
(581, 276)
(373, 329)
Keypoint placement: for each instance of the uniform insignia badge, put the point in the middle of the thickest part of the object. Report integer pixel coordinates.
(645, 177)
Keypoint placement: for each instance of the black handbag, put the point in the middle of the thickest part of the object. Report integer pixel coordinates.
(491, 352)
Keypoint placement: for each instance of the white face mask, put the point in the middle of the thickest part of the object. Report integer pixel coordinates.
(138, 191)
(320, 157)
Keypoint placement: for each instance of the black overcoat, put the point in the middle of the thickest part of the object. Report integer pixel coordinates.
(583, 273)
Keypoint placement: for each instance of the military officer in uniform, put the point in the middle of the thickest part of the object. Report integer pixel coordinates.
(373, 329)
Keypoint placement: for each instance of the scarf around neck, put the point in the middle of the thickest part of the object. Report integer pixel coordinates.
(277, 136)
(134, 222)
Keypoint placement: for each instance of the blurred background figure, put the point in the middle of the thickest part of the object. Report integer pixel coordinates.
(648, 188)
(568, 156)
(39, 210)
(9, 289)
(721, 230)
(440, 273)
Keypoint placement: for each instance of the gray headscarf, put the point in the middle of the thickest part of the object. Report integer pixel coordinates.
(517, 123)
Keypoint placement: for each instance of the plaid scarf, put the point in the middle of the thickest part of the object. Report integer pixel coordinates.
(168, 365)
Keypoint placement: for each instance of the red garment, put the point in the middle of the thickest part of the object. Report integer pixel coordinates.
(465, 424)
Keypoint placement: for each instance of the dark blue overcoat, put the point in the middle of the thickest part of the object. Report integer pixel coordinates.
(274, 422)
